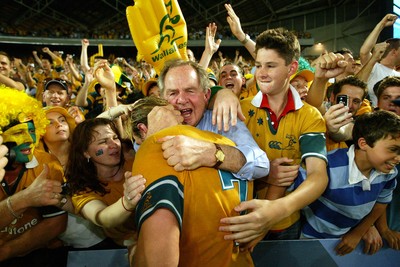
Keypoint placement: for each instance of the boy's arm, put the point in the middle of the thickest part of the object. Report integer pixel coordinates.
(350, 240)
(153, 250)
(391, 237)
(265, 213)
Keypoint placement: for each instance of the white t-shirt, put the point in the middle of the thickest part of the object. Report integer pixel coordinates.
(378, 73)
(81, 233)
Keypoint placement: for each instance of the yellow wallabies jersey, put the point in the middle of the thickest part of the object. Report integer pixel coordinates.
(115, 192)
(198, 199)
(300, 134)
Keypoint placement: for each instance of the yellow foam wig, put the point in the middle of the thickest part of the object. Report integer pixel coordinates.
(18, 106)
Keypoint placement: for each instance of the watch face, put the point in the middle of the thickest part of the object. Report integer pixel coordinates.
(220, 155)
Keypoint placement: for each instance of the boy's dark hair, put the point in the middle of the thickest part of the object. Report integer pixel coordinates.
(394, 43)
(350, 80)
(227, 63)
(281, 40)
(389, 81)
(374, 126)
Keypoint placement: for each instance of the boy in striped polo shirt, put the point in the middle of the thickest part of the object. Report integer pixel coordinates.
(361, 182)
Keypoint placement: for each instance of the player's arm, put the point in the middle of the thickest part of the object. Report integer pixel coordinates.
(158, 243)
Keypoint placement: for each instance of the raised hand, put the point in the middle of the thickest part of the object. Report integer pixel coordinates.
(85, 43)
(103, 74)
(388, 20)
(234, 23)
(330, 65)
(212, 45)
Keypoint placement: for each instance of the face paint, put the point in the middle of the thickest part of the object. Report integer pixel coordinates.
(99, 152)
(24, 136)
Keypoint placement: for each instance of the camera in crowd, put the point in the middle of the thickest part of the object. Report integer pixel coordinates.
(11, 155)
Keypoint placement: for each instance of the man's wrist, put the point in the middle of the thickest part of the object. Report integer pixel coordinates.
(245, 39)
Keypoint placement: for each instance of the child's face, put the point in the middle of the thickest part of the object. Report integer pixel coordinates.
(272, 73)
(385, 154)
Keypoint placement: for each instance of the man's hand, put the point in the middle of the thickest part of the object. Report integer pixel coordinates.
(234, 23)
(379, 50)
(282, 173)
(211, 45)
(103, 74)
(162, 117)
(85, 43)
(186, 153)
(253, 226)
(388, 20)
(43, 191)
(45, 50)
(336, 117)
(329, 65)
(226, 109)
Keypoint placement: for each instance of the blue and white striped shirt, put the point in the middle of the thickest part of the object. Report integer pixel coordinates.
(347, 199)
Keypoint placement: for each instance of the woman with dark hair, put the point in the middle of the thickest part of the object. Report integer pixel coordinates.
(102, 187)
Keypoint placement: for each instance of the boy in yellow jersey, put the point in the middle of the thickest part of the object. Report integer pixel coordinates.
(290, 131)
(179, 212)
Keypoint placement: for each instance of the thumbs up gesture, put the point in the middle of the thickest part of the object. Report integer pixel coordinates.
(43, 191)
(133, 188)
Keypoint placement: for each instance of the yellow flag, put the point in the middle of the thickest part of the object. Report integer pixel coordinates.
(158, 30)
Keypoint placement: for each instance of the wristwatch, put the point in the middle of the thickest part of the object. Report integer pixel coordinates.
(219, 155)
